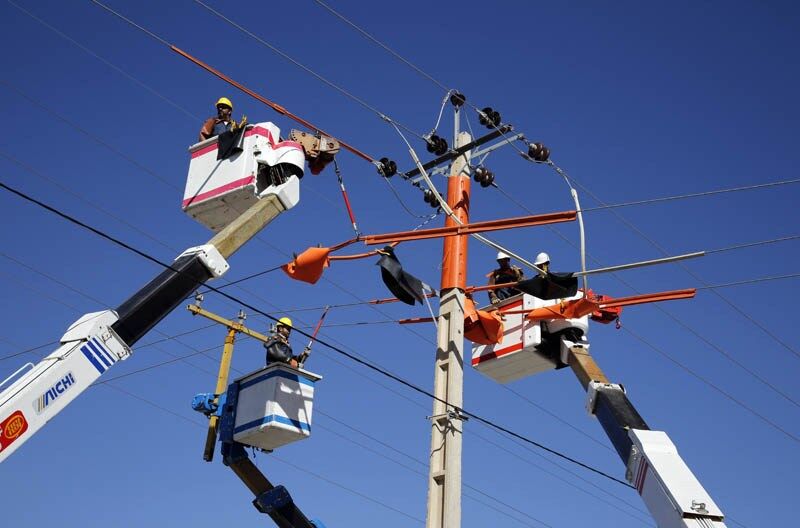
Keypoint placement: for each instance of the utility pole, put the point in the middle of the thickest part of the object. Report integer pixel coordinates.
(444, 481)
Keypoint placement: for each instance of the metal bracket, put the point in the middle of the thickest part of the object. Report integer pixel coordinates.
(591, 393)
(211, 258)
(452, 414)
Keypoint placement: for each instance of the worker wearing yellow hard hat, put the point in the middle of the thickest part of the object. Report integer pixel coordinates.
(278, 348)
(223, 122)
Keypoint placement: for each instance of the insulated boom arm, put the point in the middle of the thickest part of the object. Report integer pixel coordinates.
(96, 341)
(669, 489)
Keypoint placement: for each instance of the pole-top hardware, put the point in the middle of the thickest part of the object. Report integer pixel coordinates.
(198, 298)
(483, 176)
(538, 152)
(451, 414)
(457, 99)
(489, 118)
(436, 144)
(386, 167)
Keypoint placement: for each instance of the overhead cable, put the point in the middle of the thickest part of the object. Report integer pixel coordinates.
(324, 343)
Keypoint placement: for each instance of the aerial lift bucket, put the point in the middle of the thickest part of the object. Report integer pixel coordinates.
(219, 189)
(272, 406)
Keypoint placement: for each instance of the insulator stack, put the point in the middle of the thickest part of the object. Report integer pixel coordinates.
(430, 198)
(489, 118)
(458, 99)
(387, 168)
(538, 152)
(436, 145)
(483, 176)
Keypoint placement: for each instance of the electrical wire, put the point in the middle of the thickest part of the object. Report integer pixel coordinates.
(707, 382)
(151, 367)
(109, 64)
(352, 357)
(273, 456)
(685, 196)
(750, 281)
(163, 363)
(714, 346)
(107, 145)
(697, 277)
(562, 173)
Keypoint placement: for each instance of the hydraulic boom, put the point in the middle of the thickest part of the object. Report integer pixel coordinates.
(96, 341)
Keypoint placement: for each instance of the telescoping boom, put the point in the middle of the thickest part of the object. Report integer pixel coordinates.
(95, 342)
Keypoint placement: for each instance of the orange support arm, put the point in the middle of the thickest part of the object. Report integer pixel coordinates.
(649, 298)
(580, 307)
(476, 227)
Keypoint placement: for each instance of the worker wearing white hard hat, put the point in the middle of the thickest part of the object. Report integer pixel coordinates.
(505, 273)
(543, 263)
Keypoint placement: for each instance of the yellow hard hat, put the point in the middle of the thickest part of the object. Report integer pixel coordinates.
(227, 102)
(285, 321)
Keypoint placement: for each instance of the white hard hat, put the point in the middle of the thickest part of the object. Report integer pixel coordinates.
(503, 255)
(541, 258)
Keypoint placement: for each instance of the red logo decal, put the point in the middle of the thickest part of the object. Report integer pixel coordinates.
(12, 428)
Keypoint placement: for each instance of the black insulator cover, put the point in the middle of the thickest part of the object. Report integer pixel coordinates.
(159, 297)
(545, 155)
(617, 415)
(486, 115)
(458, 99)
(441, 146)
(431, 145)
(388, 168)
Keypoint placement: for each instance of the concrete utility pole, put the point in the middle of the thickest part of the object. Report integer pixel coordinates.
(444, 481)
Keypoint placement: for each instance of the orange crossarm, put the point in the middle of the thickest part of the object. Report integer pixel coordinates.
(580, 307)
(475, 227)
(649, 298)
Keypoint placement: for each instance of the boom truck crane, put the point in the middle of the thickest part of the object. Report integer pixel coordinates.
(544, 334)
(235, 194)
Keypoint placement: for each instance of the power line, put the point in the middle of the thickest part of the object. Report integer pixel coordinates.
(689, 195)
(127, 75)
(567, 179)
(337, 349)
(750, 281)
(655, 244)
(273, 456)
(180, 358)
(302, 66)
(713, 386)
(421, 473)
(107, 63)
(697, 334)
(381, 44)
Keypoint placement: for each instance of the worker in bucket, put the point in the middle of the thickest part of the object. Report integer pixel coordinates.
(215, 126)
(506, 273)
(278, 348)
(543, 263)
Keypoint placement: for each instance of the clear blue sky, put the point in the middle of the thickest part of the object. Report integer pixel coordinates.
(635, 101)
